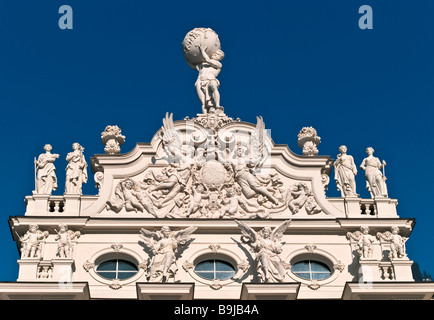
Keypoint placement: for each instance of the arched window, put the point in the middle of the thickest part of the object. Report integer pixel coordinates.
(311, 270)
(214, 269)
(118, 269)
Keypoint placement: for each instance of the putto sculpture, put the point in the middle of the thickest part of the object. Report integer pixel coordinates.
(267, 246)
(375, 179)
(64, 240)
(201, 47)
(364, 242)
(46, 180)
(345, 173)
(164, 246)
(76, 170)
(31, 242)
(397, 243)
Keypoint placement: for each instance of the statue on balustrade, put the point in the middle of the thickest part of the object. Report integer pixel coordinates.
(46, 180)
(345, 173)
(375, 179)
(76, 170)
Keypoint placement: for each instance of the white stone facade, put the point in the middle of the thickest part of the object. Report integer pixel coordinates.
(212, 189)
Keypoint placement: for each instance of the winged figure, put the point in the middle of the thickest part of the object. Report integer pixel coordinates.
(267, 245)
(172, 142)
(246, 169)
(164, 246)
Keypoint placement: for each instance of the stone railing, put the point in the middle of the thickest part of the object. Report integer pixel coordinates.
(366, 208)
(71, 205)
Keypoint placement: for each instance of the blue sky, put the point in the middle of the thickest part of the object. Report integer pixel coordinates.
(296, 63)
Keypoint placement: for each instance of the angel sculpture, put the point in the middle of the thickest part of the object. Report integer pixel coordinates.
(172, 142)
(245, 168)
(267, 245)
(164, 246)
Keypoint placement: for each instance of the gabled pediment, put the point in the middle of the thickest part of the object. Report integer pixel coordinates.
(212, 167)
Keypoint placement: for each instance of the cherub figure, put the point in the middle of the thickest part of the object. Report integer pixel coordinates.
(299, 194)
(164, 246)
(207, 84)
(364, 242)
(31, 242)
(267, 245)
(311, 206)
(196, 199)
(231, 204)
(397, 243)
(65, 238)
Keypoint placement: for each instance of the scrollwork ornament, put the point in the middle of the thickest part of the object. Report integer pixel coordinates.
(216, 285)
(88, 265)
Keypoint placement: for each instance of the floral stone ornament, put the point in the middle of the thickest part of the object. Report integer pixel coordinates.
(308, 140)
(112, 138)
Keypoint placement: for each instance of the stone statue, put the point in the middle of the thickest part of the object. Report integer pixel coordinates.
(207, 84)
(76, 170)
(197, 196)
(364, 242)
(65, 238)
(132, 195)
(172, 182)
(345, 173)
(250, 183)
(201, 47)
(164, 245)
(267, 245)
(31, 242)
(299, 195)
(375, 180)
(46, 180)
(245, 168)
(397, 243)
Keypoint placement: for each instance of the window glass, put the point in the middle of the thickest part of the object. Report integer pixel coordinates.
(215, 269)
(311, 270)
(116, 269)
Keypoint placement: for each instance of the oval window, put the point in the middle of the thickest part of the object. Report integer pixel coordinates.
(116, 269)
(311, 270)
(214, 269)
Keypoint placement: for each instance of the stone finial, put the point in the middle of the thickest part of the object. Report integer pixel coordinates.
(308, 140)
(112, 138)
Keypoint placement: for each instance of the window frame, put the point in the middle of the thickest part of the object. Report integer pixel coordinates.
(116, 271)
(319, 255)
(310, 272)
(214, 270)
